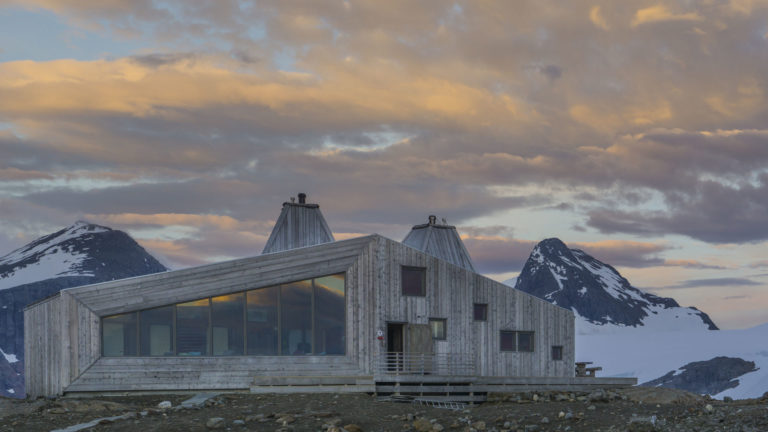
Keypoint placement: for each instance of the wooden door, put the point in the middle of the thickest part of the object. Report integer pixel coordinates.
(419, 347)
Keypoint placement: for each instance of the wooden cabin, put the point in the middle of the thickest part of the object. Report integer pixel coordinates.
(308, 314)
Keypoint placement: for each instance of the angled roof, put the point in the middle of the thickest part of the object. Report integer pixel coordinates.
(441, 241)
(299, 225)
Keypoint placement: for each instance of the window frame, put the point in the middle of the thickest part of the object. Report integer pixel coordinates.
(444, 322)
(136, 325)
(423, 290)
(559, 349)
(516, 337)
(484, 308)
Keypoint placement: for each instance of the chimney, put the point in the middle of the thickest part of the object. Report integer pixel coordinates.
(302, 198)
(432, 219)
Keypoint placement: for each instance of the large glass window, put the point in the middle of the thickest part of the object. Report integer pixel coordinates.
(330, 311)
(119, 335)
(192, 320)
(296, 318)
(299, 318)
(227, 316)
(156, 331)
(261, 321)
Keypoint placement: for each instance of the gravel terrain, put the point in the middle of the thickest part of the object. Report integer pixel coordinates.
(634, 409)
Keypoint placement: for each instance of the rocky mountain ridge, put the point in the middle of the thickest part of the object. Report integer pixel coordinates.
(597, 292)
(80, 254)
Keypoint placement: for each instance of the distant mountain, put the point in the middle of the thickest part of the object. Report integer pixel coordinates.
(598, 294)
(77, 255)
(711, 376)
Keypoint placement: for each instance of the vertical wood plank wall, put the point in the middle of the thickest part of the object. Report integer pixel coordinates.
(451, 293)
(62, 346)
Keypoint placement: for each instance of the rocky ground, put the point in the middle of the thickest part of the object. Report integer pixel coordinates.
(634, 409)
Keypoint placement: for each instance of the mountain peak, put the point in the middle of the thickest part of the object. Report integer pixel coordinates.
(598, 293)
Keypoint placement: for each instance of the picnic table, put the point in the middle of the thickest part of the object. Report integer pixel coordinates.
(583, 371)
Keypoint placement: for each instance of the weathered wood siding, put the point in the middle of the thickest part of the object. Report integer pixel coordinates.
(84, 370)
(62, 349)
(62, 341)
(450, 294)
(299, 225)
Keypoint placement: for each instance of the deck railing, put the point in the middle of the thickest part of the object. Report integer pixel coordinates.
(399, 363)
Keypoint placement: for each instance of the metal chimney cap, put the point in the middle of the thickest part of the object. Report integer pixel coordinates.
(302, 198)
(432, 219)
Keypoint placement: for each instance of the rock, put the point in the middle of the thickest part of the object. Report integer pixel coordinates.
(479, 425)
(238, 423)
(591, 407)
(709, 408)
(409, 417)
(598, 396)
(422, 425)
(727, 399)
(353, 428)
(531, 428)
(254, 418)
(57, 410)
(560, 414)
(642, 424)
(215, 423)
(568, 415)
(165, 405)
(286, 420)
(437, 427)
(545, 420)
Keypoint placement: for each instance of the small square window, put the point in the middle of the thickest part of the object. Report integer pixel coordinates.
(438, 328)
(481, 312)
(557, 352)
(508, 341)
(525, 341)
(414, 281)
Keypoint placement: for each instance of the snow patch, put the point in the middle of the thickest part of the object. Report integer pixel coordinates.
(10, 358)
(650, 353)
(11, 391)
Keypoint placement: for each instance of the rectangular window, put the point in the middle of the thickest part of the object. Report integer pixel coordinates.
(227, 324)
(296, 318)
(330, 312)
(557, 352)
(480, 311)
(525, 341)
(156, 331)
(119, 335)
(192, 322)
(414, 281)
(300, 318)
(261, 321)
(438, 328)
(520, 341)
(508, 341)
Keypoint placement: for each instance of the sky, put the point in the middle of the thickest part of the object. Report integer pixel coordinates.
(634, 130)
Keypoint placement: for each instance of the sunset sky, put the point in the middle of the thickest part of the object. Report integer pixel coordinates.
(635, 130)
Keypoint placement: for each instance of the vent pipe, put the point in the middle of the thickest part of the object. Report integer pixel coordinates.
(302, 198)
(432, 219)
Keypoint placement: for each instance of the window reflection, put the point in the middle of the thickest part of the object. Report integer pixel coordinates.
(300, 318)
(296, 318)
(261, 321)
(119, 335)
(330, 310)
(156, 331)
(227, 324)
(192, 328)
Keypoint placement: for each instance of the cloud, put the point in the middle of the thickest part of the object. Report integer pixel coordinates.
(623, 252)
(713, 282)
(498, 254)
(596, 17)
(661, 13)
